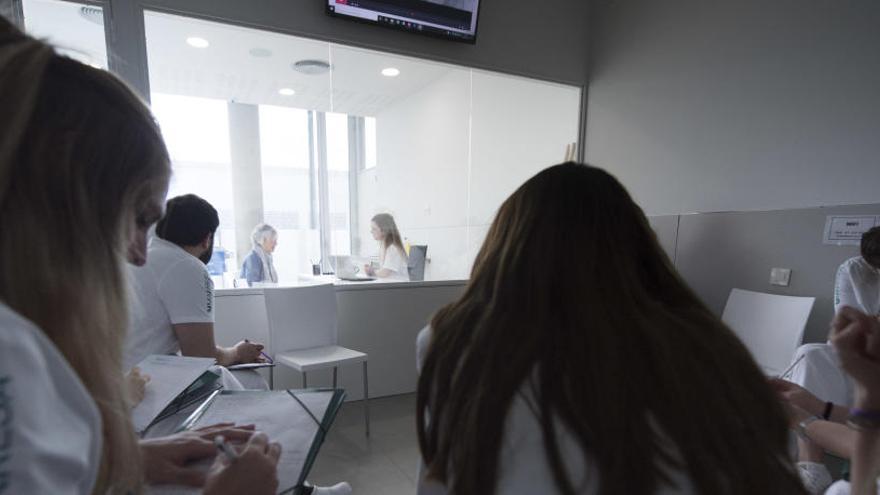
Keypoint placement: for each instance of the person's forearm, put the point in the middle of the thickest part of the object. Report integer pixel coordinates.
(865, 462)
(836, 438)
(226, 356)
(839, 414)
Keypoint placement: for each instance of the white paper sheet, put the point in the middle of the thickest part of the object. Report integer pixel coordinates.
(169, 376)
(276, 414)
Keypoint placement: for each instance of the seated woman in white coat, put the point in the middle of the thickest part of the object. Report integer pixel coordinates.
(258, 266)
(83, 174)
(392, 256)
(608, 377)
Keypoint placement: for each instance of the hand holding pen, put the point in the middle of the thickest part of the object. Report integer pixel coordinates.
(254, 470)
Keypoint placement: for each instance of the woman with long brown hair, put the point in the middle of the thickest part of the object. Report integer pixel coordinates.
(392, 255)
(602, 374)
(83, 175)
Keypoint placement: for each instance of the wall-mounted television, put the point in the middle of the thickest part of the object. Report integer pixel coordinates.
(452, 19)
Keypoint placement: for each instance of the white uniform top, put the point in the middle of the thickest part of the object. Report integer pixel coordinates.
(523, 468)
(858, 285)
(395, 260)
(50, 428)
(173, 287)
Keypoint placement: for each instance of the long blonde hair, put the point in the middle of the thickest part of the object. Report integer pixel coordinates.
(390, 234)
(79, 152)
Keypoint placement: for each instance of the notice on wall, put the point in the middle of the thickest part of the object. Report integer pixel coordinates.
(847, 230)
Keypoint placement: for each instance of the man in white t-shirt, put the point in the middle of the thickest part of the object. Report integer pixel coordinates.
(173, 296)
(858, 279)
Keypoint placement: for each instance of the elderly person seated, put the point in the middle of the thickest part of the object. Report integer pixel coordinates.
(258, 266)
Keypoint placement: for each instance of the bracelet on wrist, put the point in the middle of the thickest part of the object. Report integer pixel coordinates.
(829, 408)
(862, 419)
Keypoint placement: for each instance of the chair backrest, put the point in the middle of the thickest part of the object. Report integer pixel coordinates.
(416, 263)
(301, 317)
(771, 326)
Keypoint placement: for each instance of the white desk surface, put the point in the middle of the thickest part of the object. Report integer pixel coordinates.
(342, 285)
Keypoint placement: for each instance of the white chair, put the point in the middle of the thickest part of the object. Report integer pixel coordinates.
(771, 326)
(303, 334)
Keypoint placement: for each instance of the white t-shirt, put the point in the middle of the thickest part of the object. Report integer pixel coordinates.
(172, 288)
(50, 428)
(857, 285)
(395, 260)
(523, 467)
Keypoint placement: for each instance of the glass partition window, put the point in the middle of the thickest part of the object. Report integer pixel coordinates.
(287, 182)
(316, 138)
(76, 30)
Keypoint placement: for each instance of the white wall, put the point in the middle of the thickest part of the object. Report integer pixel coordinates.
(422, 171)
(707, 105)
(448, 156)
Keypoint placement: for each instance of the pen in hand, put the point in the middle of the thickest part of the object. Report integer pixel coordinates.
(225, 448)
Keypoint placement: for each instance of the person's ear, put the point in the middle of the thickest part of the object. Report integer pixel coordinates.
(206, 242)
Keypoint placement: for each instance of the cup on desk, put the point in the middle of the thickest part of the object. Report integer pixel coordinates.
(316, 269)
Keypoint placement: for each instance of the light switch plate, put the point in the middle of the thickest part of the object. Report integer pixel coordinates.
(780, 276)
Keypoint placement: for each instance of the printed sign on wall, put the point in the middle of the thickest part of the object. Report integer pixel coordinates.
(847, 230)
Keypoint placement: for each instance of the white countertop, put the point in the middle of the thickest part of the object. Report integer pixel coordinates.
(342, 285)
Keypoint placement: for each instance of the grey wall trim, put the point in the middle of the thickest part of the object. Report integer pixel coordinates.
(323, 190)
(356, 163)
(126, 44)
(12, 10)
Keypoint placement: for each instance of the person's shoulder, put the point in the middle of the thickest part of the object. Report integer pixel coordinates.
(21, 342)
(857, 265)
(849, 265)
(172, 259)
(252, 258)
(400, 252)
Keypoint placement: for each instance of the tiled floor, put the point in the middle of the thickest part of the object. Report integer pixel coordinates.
(384, 464)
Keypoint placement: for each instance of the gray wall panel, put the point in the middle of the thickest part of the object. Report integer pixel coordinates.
(666, 228)
(721, 251)
(711, 105)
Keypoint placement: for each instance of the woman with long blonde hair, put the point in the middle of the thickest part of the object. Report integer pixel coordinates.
(392, 256)
(604, 375)
(83, 174)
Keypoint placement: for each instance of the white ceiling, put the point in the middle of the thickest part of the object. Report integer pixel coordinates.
(226, 69)
(61, 24)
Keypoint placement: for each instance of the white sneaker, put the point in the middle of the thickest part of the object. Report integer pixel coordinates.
(337, 489)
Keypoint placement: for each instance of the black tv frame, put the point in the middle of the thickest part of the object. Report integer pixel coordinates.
(429, 31)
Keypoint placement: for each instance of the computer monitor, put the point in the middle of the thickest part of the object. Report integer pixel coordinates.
(451, 19)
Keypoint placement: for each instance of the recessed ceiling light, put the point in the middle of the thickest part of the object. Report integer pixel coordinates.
(260, 52)
(311, 67)
(286, 92)
(95, 15)
(390, 72)
(197, 42)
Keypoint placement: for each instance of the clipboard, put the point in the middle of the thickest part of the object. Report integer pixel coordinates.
(299, 419)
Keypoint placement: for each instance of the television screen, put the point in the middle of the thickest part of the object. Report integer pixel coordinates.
(454, 19)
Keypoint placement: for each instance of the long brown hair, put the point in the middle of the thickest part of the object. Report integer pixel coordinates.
(79, 153)
(390, 234)
(614, 344)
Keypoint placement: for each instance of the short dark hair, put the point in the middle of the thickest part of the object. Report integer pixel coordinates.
(871, 246)
(188, 220)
